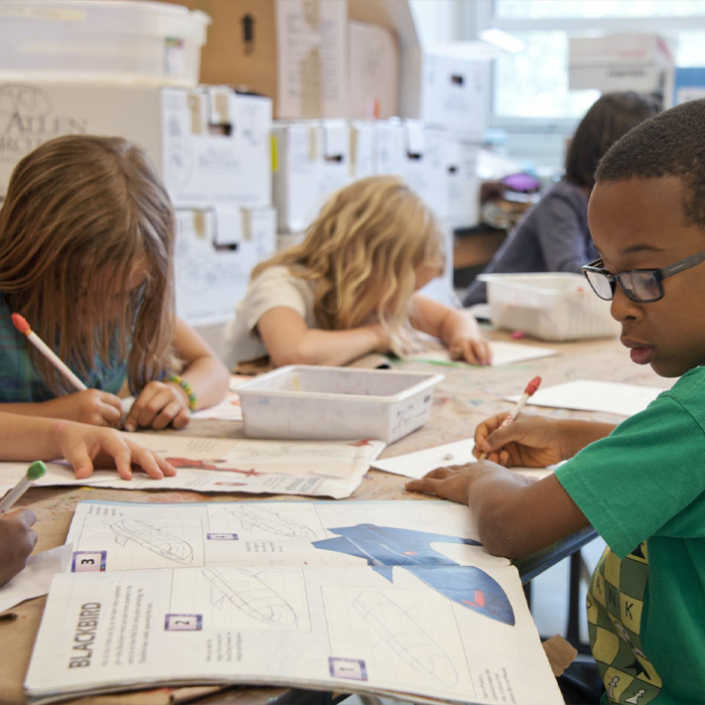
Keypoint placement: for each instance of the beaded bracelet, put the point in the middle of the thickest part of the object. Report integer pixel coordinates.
(192, 398)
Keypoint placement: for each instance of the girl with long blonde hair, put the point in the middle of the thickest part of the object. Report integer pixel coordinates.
(86, 250)
(350, 288)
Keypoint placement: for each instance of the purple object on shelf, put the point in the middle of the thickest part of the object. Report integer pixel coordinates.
(522, 183)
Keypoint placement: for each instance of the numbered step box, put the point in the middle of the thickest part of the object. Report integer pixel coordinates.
(89, 561)
(183, 622)
(350, 668)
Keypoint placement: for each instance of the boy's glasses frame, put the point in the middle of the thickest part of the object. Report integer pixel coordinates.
(643, 286)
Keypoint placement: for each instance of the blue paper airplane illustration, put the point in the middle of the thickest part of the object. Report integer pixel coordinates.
(385, 548)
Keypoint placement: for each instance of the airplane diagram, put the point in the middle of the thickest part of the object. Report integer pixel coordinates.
(405, 637)
(385, 548)
(153, 539)
(273, 522)
(250, 595)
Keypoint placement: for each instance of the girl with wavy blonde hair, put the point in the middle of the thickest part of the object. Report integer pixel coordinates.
(86, 250)
(350, 287)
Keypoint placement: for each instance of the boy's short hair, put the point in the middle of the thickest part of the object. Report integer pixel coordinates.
(670, 144)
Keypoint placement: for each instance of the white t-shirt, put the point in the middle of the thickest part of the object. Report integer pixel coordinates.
(275, 287)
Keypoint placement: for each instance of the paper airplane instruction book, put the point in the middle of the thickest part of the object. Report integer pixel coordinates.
(392, 597)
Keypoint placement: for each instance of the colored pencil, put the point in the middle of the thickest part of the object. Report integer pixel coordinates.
(36, 470)
(530, 389)
(23, 327)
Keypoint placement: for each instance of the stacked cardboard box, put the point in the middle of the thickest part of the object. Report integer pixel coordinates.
(211, 147)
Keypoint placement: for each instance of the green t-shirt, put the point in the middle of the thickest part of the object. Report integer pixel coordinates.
(643, 489)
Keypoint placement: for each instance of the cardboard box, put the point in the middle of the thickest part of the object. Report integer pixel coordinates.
(363, 149)
(621, 62)
(447, 86)
(171, 124)
(211, 280)
(294, 51)
(414, 151)
(424, 166)
(247, 120)
(462, 184)
(391, 147)
(312, 161)
(374, 72)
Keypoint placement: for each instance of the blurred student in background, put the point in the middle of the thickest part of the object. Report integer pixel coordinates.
(554, 236)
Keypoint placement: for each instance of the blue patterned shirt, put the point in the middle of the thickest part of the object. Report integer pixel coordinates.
(20, 381)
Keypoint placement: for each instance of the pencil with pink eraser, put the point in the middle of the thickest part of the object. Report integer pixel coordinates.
(530, 389)
(23, 327)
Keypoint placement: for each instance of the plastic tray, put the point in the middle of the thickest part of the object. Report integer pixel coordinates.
(325, 403)
(112, 40)
(552, 306)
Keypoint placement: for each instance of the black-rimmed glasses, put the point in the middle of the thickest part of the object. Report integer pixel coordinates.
(641, 285)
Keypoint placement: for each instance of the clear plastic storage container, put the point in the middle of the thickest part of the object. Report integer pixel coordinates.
(328, 403)
(551, 306)
(110, 40)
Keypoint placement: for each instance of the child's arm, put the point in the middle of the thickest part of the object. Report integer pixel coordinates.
(17, 540)
(162, 403)
(456, 328)
(91, 406)
(504, 506)
(289, 341)
(27, 438)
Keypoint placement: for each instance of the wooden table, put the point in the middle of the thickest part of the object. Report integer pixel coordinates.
(466, 396)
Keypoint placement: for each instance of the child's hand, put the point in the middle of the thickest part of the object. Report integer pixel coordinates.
(384, 342)
(90, 406)
(473, 350)
(453, 482)
(530, 441)
(158, 405)
(17, 540)
(85, 447)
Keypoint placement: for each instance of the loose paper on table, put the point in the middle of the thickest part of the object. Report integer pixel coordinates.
(417, 464)
(34, 580)
(591, 395)
(313, 468)
(502, 354)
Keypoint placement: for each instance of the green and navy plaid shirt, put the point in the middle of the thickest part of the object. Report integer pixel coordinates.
(20, 381)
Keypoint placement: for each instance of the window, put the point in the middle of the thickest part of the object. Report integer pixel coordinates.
(531, 87)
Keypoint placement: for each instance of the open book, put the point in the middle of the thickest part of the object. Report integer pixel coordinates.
(395, 598)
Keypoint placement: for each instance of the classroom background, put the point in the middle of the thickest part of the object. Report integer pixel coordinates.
(255, 111)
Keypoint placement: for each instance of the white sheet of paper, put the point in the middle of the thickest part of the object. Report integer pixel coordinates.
(416, 465)
(312, 468)
(35, 579)
(591, 395)
(311, 594)
(503, 353)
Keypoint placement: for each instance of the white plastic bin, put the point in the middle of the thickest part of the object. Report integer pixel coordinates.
(551, 306)
(307, 402)
(110, 40)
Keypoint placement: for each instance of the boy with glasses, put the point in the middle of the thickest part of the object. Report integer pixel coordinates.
(641, 484)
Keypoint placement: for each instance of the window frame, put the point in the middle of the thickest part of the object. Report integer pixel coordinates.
(481, 15)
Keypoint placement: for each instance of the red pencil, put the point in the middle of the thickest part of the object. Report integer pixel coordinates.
(530, 389)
